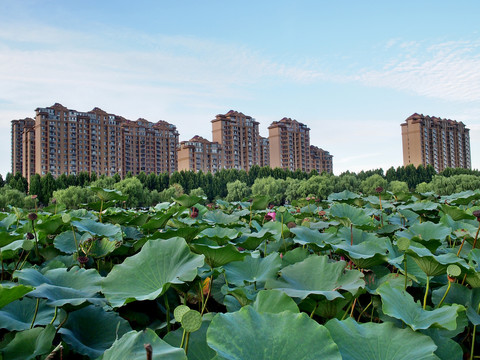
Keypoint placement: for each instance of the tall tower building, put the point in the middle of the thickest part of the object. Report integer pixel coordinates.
(264, 151)
(238, 134)
(289, 145)
(199, 154)
(429, 140)
(64, 141)
(320, 160)
(18, 129)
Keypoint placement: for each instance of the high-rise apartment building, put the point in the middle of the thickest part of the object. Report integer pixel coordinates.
(320, 160)
(238, 134)
(264, 151)
(18, 129)
(200, 154)
(65, 141)
(289, 145)
(429, 140)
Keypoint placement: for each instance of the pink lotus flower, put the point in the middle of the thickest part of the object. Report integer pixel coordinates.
(272, 215)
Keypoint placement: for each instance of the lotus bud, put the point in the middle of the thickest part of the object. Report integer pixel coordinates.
(32, 216)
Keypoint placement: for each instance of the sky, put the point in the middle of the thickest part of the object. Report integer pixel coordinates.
(351, 70)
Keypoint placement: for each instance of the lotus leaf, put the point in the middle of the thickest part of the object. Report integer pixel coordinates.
(99, 229)
(18, 315)
(304, 235)
(29, 344)
(131, 347)
(188, 200)
(148, 274)
(219, 217)
(253, 270)
(399, 304)
(345, 195)
(10, 292)
(247, 334)
(65, 241)
(353, 215)
(91, 330)
(317, 275)
(379, 341)
(218, 255)
(274, 301)
(434, 265)
(60, 286)
(108, 195)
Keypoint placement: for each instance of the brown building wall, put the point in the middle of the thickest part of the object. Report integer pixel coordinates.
(200, 154)
(18, 128)
(434, 141)
(320, 160)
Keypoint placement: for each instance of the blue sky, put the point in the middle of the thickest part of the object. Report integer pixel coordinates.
(353, 71)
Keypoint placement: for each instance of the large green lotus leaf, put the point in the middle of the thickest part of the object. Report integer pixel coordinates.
(380, 275)
(456, 213)
(108, 195)
(149, 273)
(188, 200)
(219, 217)
(434, 265)
(159, 220)
(447, 348)
(294, 256)
(10, 292)
(354, 215)
(9, 237)
(18, 315)
(345, 195)
(462, 295)
(29, 344)
(251, 241)
(455, 225)
(10, 251)
(102, 247)
(65, 242)
(218, 232)
(399, 304)
(253, 270)
(379, 341)
(317, 275)
(247, 334)
(198, 348)
(91, 330)
(60, 286)
(8, 221)
(50, 224)
(260, 202)
(96, 228)
(274, 301)
(462, 198)
(215, 255)
(304, 235)
(420, 206)
(131, 347)
(429, 231)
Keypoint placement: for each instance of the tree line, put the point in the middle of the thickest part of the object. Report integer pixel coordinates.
(282, 185)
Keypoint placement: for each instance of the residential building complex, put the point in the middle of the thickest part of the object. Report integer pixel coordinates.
(429, 140)
(320, 160)
(65, 141)
(289, 145)
(238, 134)
(200, 154)
(18, 128)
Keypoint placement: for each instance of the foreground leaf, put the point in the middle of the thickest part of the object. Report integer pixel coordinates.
(247, 334)
(29, 343)
(379, 341)
(12, 293)
(148, 274)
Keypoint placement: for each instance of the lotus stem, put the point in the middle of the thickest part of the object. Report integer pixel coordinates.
(314, 309)
(35, 314)
(54, 315)
(406, 274)
(148, 349)
(473, 336)
(346, 311)
(36, 240)
(359, 316)
(445, 295)
(426, 293)
(59, 347)
(461, 246)
(351, 234)
(183, 338)
(353, 307)
(476, 237)
(186, 343)
(101, 209)
(167, 308)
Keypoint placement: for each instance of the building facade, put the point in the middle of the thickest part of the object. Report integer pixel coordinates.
(429, 140)
(66, 141)
(320, 160)
(239, 136)
(264, 151)
(289, 145)
(18, 129)
(200, 154)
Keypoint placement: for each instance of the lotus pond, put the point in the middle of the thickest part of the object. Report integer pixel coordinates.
(351, 277)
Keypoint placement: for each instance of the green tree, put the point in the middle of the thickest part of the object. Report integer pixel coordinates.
(237, 191)
(133, 188)
(74, 196)
(274, 188)
(35, 185)
(173, 191)
(48, 186)
(372, 182)
(398, 187)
